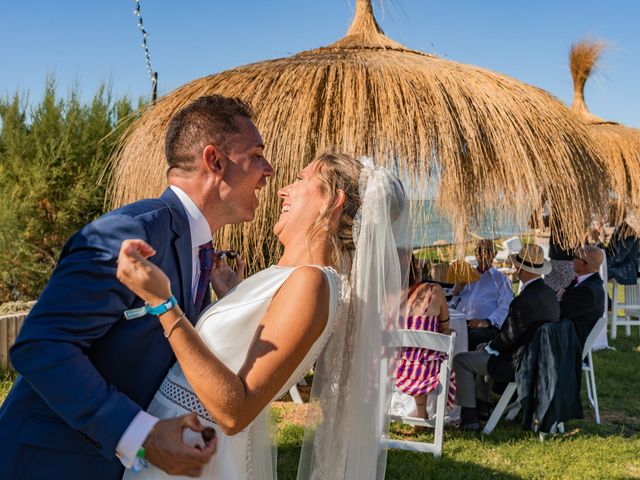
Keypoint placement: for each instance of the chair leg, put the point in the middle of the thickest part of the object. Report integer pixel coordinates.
(592, 376)
(500, 408)
(295, 395)
(614, 310)
(441, 405)
(627, 327)
(587, 381)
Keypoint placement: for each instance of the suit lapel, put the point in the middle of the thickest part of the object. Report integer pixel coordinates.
(183, 251)
(182, 244)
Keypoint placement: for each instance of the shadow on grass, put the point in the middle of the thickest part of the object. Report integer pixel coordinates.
(403, 465)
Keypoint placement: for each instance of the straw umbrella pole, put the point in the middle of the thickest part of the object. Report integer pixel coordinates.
(484, 140)
(619, 146)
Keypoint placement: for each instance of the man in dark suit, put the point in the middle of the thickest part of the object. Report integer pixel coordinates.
(583, 300)
(76, 410)
(535, 305)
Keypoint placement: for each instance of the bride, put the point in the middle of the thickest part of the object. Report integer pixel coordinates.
(329, 300)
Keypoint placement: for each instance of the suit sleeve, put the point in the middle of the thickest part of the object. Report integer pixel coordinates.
(511, 329)
(81, 302)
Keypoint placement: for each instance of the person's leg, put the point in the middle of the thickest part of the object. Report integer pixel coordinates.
(466, 366)
(421, 406)
(476, 336)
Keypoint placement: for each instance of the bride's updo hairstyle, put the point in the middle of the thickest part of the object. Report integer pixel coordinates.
(338, 171)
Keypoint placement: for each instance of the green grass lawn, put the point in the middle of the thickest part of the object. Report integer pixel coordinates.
(585, 451)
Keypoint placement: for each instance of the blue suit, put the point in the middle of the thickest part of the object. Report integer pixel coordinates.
(85, 371)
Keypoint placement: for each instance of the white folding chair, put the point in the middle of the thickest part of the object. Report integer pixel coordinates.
(587, 364)
(631, 308)
(440, 343)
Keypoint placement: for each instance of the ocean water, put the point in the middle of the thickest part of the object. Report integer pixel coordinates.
(430, 225)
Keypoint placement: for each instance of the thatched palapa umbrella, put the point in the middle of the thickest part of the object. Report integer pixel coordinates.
(487, 141)
(619, 146)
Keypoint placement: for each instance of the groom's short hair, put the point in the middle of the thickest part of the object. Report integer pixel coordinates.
(207, 120)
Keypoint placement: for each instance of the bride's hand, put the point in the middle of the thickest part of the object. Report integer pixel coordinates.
(141, 276)
(224, 278)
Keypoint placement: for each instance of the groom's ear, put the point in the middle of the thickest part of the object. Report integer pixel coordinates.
(213, 159)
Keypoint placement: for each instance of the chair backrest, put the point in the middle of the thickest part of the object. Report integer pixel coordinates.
(438, 342)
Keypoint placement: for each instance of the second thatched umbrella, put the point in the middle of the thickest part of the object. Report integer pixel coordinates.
(488, 142)
(619, 146)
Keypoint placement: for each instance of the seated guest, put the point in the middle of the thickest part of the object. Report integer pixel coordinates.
(486, 301)
(583, 300)
(418, 369)
(535, 305)
(623, 255)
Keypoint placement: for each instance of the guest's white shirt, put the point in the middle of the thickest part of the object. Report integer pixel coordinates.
(487, 298)
(139, 428)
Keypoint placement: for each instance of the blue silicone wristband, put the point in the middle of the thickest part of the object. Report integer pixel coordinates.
(146, 308)
(163, 307)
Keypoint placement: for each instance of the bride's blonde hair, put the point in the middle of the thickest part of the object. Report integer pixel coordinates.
(338, 171)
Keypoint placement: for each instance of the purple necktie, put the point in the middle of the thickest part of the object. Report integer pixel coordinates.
(207, 255)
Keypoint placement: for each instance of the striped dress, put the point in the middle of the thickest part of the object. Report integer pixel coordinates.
(418, 369)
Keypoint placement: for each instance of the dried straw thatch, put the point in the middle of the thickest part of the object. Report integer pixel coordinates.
(619, 146)
(485, 140)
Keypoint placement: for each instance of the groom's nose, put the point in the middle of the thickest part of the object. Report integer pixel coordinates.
(267, 169)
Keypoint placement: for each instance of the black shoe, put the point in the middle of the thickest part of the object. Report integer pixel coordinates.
(469, 419)
(483, 409)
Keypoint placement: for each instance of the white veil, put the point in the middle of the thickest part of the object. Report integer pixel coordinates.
(348, 422)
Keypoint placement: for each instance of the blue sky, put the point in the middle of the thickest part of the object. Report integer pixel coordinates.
(91, 42)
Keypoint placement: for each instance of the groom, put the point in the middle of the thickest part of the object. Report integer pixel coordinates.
(76, 410)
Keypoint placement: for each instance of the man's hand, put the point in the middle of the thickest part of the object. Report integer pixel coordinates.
(223, 277)
(165, 448)
(475, 323)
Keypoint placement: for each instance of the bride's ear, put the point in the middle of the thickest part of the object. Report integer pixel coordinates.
(340, 199)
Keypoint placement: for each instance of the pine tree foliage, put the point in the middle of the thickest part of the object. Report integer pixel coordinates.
(53, 159)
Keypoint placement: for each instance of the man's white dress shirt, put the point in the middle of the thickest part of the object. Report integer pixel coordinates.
(139, 428)
(487, 298)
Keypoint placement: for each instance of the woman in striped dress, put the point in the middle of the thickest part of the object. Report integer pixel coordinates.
(418, 370)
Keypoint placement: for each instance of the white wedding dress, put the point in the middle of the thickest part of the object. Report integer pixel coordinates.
(228, 328)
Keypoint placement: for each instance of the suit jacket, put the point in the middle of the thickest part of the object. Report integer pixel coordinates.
(85, 371)
(583, 304)
(536, 305)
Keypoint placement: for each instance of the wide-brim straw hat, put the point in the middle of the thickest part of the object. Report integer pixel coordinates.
(531, 259)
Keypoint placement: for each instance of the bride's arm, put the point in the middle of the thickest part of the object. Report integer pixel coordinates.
(295, 319)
